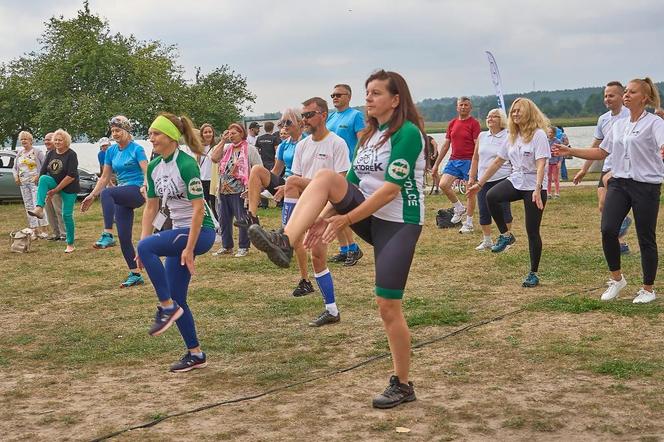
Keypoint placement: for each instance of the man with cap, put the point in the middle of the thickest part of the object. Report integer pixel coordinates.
(103, 144)
(254, 128)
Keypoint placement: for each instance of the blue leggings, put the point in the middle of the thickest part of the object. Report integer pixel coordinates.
(120, 202)
(172, 280)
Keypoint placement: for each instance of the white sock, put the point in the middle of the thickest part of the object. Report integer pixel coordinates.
(458, 206)
(199, 355)
(332, 308)
(469, 220)
(487, 238)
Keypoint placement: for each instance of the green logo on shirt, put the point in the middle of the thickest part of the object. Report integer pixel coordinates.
(195, 186)
(399, 169)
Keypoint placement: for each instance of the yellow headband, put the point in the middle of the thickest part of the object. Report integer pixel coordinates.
(166, 126)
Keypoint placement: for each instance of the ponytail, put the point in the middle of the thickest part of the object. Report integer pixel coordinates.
(650, 91)
(186, 128)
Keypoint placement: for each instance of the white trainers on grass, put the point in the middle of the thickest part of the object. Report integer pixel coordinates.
(644, 296)
(484, 245)
(614, 288)
(456, 218)
(466, 228)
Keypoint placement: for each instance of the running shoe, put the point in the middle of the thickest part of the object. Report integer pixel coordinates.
(241, 252)
(614, 288)
(105, 240)
(624, 226)
(484, 245)
(503, 242)
(644, 296)
(466, 228)
(223, 251)
(324, 319)
(165, 318)
(42, 235)
(189, 362)
(248, 220)
(352, 257)
(275, 244)
(624, 248)
(456, 218)
(396, 393)
(37, 212)
(53, 238)
(531, 280)
(339, 257)
(132, 280)
(303, 288)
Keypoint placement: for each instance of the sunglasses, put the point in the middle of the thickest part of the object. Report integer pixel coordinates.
(337, 95)
(310, 114)
(285, 123)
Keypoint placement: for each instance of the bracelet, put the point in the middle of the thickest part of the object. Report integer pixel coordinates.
(480, 185)
(349, 220)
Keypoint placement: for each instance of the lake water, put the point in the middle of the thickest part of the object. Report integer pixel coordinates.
(87, 152)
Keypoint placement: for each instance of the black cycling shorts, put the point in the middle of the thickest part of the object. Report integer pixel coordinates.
(393, 243)
(275, 181)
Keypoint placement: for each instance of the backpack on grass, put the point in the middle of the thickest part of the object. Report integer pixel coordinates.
(444, 218)
(21, 241)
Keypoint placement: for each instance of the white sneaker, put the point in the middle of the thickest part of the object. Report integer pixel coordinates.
(484, 245)
(644, 297)
(241, 252)
(614, 288)
(458, 215)
(466, 228)
(223, 251)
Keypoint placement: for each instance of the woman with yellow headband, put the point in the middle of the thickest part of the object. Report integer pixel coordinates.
(174, 177)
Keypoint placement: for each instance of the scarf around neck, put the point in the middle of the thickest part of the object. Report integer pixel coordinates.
(242, 167)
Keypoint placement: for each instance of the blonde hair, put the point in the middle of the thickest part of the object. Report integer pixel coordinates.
(186, 128)
(65, 135)
(501, 115)
(650, 91)
(26, 134)
(291, 114)
(531, 119)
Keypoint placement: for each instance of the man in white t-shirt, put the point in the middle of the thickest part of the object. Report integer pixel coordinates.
(613, 93)
(252, 134)
(322, 149)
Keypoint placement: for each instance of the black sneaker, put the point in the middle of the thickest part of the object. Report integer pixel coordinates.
(303, 288)
(339, 257)
(353, 257)
(189, 362)
(395, 394)
(275, 244)
(247, 221)
(53, 238)
(165, 318)
(325, 318)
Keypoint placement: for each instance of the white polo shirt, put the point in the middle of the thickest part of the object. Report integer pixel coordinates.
(329, 153)
(490, 145)
(636, 148)
(523, 157)
(604, 125)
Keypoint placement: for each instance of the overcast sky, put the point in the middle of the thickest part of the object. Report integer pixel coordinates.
(291, 50)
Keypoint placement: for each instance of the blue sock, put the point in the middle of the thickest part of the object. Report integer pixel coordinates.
(343, 249)
(287, 210)
(326, 286)
(353, 247)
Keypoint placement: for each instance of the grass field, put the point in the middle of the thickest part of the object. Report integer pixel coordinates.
(493, 361)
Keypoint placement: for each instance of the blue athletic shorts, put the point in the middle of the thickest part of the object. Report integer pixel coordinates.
(458, 168)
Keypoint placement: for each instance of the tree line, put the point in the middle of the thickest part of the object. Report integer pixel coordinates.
(568, 103)
(83, 75)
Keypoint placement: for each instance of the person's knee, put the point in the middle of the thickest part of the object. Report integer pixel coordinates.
(389, 309)
(325, 174)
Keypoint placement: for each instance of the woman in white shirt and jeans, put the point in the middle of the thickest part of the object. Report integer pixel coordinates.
(636, 145)
(527, 149)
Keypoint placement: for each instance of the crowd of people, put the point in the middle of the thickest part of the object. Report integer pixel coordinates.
(339, 174)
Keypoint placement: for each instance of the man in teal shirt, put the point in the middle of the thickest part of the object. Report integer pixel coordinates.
(347, 123)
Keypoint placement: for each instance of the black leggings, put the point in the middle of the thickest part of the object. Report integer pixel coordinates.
(209, 198)
(393, 242)
(505, 191)
(643, 198)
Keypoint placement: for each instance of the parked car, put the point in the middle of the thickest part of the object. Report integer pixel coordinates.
(9, 190)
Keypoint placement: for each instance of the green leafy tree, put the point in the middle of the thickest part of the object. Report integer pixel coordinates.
(18, 98)
(594, 105)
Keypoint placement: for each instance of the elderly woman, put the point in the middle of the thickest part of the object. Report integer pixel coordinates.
(59, 175)
(27, 165)
(235, 161)
(489, 145)
(127, 160)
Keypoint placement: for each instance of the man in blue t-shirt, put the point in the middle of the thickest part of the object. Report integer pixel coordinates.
(347, 123)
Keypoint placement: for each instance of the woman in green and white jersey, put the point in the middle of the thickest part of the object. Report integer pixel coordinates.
(382, 200)
(175, 178)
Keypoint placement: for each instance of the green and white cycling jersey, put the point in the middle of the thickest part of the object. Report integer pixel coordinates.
(400, 160)
(177, 180)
